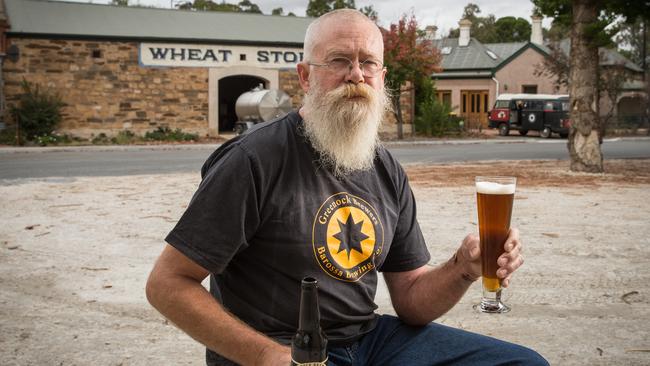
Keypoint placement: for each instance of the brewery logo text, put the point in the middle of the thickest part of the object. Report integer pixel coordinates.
(176, 55)
(347, 236)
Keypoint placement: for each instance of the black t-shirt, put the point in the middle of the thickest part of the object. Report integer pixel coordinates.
(267, 214)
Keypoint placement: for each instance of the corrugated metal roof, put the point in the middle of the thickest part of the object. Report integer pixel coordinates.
(472, 56)
(505, 50)
(38, 17)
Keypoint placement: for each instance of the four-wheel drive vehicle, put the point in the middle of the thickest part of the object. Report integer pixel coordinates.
(531, 112)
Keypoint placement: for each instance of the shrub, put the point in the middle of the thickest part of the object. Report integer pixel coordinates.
(38, 112)
(124, 138)
(8, 136)
(166, 134)
(434, 119)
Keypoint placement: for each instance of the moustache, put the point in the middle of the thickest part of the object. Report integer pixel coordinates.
(350, 91)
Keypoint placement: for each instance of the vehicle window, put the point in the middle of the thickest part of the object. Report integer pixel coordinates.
(565, 106)
(501, 104)
(534, 105)
(548, 106)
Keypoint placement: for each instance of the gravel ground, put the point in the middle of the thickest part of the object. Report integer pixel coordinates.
(75, 254)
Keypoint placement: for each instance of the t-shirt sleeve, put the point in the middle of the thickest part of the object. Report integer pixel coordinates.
(408, 250)
(223, 214)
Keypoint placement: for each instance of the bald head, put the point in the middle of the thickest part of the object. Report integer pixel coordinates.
(335, 21)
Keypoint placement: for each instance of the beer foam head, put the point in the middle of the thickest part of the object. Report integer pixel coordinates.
(494, 188)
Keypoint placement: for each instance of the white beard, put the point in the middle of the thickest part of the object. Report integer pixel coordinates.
(343, 125)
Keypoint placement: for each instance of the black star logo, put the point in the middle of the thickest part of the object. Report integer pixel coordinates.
(350, 236)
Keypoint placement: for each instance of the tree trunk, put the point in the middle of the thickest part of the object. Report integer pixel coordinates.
(397, 111)
(583, 143)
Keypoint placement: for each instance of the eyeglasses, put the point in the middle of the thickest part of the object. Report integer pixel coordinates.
(342, 66)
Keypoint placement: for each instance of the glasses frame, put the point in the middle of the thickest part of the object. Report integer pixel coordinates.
(351, 66)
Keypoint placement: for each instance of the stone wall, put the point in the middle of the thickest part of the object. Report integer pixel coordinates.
(106, 90)
(290, 84)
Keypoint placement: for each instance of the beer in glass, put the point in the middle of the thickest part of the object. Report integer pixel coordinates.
(494, 197)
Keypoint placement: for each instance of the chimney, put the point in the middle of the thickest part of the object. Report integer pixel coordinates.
(430, 32)
(463, 40)
(536, 33)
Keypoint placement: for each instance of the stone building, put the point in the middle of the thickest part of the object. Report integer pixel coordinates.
(134, 68)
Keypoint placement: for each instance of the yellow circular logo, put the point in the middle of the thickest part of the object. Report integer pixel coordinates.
(347, 235)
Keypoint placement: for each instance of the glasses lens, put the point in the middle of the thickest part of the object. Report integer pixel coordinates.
(370, 68)
(340, 65)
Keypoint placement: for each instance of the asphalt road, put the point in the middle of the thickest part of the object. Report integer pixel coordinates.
(17, 163)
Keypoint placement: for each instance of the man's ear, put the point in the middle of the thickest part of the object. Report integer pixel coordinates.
(303, 75)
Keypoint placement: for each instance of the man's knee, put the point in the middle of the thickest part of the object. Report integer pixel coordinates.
(520, 355)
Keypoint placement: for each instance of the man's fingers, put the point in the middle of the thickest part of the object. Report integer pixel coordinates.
(506, 281)
(471, 247)
(513, 241)
(510, 266)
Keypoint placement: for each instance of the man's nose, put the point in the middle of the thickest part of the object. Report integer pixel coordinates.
(355, 75)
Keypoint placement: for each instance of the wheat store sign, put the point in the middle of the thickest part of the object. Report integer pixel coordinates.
(183, 55)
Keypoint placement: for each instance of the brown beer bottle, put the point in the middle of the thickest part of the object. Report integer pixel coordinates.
(309, 346)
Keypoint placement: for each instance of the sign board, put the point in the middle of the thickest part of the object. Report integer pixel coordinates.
(185, 55)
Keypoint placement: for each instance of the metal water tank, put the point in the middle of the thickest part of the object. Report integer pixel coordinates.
(261, 105)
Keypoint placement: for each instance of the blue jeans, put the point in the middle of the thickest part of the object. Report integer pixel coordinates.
(394, 343)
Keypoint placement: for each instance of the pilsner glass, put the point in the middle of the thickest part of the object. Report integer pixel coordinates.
(494, 197)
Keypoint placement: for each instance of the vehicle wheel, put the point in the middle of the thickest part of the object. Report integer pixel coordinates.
(564, 135)
(546, 132)
(504, 129)
(523, 132)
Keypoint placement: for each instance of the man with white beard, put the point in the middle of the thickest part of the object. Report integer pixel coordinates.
(315, 194)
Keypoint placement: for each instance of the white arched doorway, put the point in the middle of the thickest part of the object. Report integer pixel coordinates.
(246, 74)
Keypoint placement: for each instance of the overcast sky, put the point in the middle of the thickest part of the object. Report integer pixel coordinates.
(443, 13)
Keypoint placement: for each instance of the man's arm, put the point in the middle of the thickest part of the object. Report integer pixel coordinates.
(174, 289)
(424, 294)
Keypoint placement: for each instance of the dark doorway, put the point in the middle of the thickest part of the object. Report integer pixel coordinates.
(230, 88)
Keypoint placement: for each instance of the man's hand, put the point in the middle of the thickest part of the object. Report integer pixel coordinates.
(511, 259)
(469, 256)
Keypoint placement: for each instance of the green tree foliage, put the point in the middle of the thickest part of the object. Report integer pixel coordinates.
(248, 7)
(38, 111)
(630, 40)
(120, 2)
(370, 12)
(488, 29)
(511, 29)
(244, 6)
(483, 28)
(316, 8)
(408, 58)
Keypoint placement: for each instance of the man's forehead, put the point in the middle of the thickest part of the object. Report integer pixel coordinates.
(338, 37)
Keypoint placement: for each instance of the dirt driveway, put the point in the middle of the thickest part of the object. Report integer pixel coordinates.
(75, 253)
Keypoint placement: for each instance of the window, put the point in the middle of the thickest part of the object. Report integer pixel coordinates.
(444, 96)
(485, 103)
(464, 103)
(97, 53)
(529, 89)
